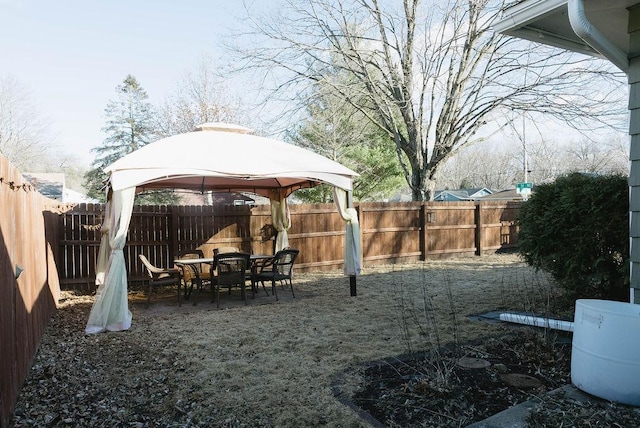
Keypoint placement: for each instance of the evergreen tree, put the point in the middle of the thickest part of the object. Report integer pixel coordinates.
(336, 130)
(129, 126)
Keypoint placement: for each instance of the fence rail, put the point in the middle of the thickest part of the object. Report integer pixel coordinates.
(391, 232)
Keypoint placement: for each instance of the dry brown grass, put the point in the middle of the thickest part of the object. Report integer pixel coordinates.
(265, 364)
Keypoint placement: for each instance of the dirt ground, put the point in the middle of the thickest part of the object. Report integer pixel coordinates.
(267, 363)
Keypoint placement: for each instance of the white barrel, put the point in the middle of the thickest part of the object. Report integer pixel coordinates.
(605, 356)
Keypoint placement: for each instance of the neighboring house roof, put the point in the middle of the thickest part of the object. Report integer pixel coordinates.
(445, 195)
(503, 195)
(72, 197)
(234, 198)
(461, 195)
(404, 196)
(48, 184)
(52, 185)
(222, 198)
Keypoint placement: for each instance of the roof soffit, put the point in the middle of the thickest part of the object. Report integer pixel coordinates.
(547, 22)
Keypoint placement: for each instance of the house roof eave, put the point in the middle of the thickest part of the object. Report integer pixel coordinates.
(548, 22)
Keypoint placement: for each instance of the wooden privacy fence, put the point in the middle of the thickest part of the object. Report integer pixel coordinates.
(28, 238)
(391, 232)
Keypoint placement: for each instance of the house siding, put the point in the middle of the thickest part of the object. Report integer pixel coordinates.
(634, 153)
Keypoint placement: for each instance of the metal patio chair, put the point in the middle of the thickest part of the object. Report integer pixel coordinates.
(229, 270)
(279, 268)
(191, 273)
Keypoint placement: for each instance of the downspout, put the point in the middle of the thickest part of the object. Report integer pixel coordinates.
(541, 322)
(594, 38)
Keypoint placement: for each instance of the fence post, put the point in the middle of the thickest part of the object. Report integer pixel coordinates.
(173, 228)
(479, 228)
(352, 278)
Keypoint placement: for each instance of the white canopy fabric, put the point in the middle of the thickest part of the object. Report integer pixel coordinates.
(218, 157)
(224, 159)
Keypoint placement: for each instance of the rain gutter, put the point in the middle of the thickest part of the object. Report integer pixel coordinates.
(594, 38)
(524, 13)
(520, 20)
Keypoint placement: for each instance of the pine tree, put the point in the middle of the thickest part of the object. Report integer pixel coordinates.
(129, 126)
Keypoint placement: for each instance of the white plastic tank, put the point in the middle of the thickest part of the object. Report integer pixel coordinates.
(605, 356)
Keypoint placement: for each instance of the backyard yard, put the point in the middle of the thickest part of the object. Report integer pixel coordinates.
(299, 362)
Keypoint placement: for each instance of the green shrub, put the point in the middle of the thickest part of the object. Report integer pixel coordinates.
(577, 229)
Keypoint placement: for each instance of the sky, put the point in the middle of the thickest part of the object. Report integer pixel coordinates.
(70, 55)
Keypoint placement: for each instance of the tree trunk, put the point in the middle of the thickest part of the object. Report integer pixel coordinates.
(423, 187)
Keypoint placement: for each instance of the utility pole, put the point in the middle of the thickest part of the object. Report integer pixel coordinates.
(524, 148)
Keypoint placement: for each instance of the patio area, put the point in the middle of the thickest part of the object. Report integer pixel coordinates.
(264, 364)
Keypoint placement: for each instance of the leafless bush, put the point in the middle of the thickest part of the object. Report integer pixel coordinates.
(418, 320)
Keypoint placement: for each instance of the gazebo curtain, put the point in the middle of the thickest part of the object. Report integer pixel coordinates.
(280, 218)
(352, 253)
(110, 310)
(105, 249)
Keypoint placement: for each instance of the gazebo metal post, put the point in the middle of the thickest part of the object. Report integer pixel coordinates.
(352, 277)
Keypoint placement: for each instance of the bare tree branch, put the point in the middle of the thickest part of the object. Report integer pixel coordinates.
(435, 75)
(24, 138)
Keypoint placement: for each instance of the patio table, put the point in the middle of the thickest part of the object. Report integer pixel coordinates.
(255, 260)
(193, 265)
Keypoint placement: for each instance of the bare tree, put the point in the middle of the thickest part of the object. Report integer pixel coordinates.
(483, 165)
(24, 138)
(435, 76)
(619, 149)
(501, 165)
(199, 98)
(588, 156)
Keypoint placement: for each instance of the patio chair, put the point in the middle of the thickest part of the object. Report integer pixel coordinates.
(191, 273)
(222, 250)
(279, 268)
(160, 277)
(229, 270)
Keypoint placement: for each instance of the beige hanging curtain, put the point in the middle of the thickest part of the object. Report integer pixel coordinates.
(105, 249)
(280, 218)
(110, 309)
(352, 251)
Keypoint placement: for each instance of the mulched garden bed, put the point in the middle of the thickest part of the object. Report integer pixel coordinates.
(457, 387)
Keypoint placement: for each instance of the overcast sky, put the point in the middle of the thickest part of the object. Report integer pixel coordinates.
(71, 54)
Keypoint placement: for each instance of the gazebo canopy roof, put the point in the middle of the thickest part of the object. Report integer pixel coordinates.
(225, 157)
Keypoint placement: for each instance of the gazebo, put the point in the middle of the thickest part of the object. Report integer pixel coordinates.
(215, 157)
